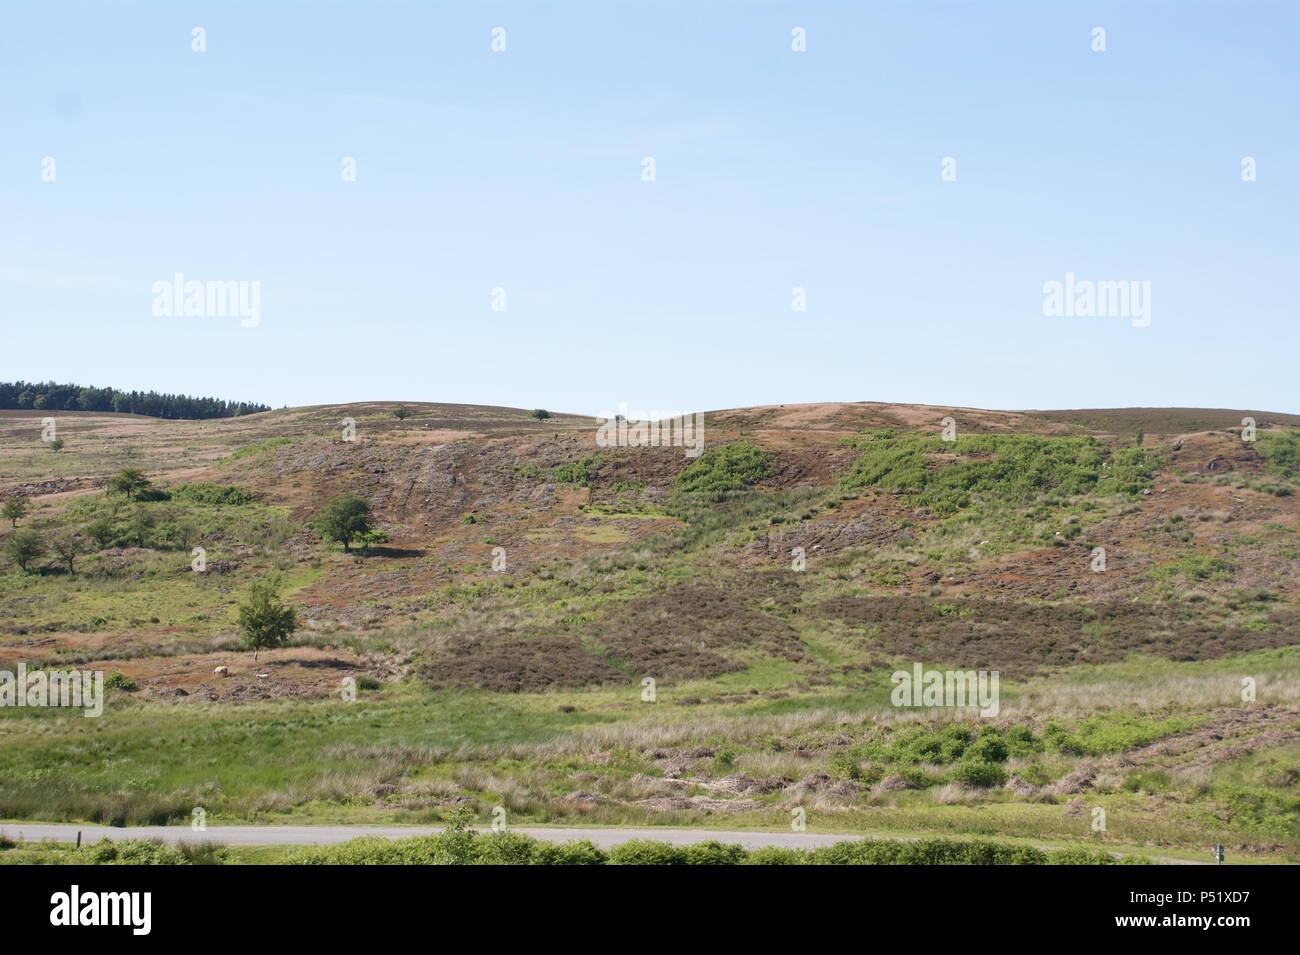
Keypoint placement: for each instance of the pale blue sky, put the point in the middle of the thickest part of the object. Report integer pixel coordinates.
(775, 169)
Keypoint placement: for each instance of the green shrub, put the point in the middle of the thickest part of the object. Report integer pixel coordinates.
(579, 852)
(453, 847)
(1195, 567)
(1149, 781)
(1057, 739)
(948, 476)
(843, 765)
(862, 852)
(1091, 857)
(1020, 741)
(575, 472)
(131, 852)
(1272, 810)
(461, 846)
(117, 680)
(207, 492)
(732, 467)
(774, 855)
(973, 772)
(647, 852)
(1281, 449)
(1115, 732)
(989, 747)
(204, 853)
(253, 450)
(101, 531)
(578, 472)
(505, 848)
(714, 853)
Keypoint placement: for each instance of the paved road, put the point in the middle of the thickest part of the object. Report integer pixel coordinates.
(328, 835)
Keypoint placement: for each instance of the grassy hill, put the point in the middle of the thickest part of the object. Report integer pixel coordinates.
(769, 588)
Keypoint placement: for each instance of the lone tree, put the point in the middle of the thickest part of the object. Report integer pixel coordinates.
(130, 482)
(540, 413)
(345, 519)
(142, 525)
(402, 413)
(68, 548)
(15, 508)
(56, 444)
(264, 621)
(24, 546)
(182, 533)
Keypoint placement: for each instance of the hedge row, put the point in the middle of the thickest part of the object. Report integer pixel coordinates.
(458, 846)
(464, 847)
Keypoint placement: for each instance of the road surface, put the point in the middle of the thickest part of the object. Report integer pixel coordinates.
(329, 835)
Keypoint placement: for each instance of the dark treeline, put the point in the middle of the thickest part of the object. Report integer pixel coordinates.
(48, 396)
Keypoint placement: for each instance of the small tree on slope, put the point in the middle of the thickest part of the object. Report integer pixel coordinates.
(264, 621)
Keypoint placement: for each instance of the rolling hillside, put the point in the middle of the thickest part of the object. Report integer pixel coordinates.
(529, 582)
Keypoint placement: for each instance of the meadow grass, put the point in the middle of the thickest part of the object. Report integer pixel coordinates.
(316, 761)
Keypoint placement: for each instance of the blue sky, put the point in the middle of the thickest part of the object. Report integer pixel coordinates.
(775, 169)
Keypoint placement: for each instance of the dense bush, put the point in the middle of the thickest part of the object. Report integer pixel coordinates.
(1113, 733)
(647, 852)
(1195, 567)
(206, 492)
(459, 846)
(732, 467)
(989, 747)
(580, 852)
(948, 476)
(1281, 449)
(117, 680)
(373, 850)
(131, 852)
(774, 855)
(944, 745)
(928, 852)
(454, 846)
(574, 472)
(974, 772)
